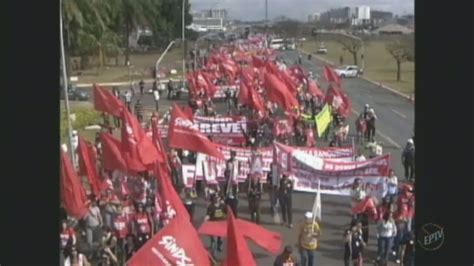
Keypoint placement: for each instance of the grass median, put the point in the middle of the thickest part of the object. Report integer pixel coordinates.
(380, 66)
(141, 65)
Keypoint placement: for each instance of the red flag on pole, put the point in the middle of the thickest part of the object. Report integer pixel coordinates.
(314, 90)
(184, 134)
(278, 92)
(106, 101)
(87, 165)
(112, 157)
(238, 253)
(268, 240)
(73, 196)
(339, 100)
(172, 204)
(176, 244)
(331, 76)
(136, 145)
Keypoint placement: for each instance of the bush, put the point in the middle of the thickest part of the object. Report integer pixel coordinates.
(84, 117)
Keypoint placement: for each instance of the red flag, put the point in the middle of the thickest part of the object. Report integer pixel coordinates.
(278, 92)
(172, 204)
(244, 93)
(290, 83)
(136, 145)
(331, 76)
(87, 165)
(238, 253)
(73, 196)
(257, 62)
(112, 157)
(268, 240)
(366, 205)
(339, 100)
(184, 134)
(156, 137)
(176, 244)
(211, 88)
(255, 99)
(313, 89)
(105, 101)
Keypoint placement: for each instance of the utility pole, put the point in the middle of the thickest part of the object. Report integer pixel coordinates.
(266, 11)
(65, 84)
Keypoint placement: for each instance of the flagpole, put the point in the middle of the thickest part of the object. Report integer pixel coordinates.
(65, 83)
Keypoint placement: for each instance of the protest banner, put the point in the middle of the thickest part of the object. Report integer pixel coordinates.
(227, 130)
(337, 178)
(220, 93)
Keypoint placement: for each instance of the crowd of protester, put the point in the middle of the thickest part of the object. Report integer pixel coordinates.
(126, 213)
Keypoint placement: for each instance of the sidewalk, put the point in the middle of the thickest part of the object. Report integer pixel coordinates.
(111, 84)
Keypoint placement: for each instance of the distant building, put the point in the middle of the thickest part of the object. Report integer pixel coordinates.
(380, 18)
(218, 13)
(393, 29)
(347, 16)
(208, 24)
(315, 17)
(407, 21)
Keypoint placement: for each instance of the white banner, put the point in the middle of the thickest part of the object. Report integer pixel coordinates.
(337, 178)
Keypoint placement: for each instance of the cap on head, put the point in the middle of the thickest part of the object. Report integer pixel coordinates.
(308, 215)
(74, 132)
(366, 105)
(410, 141)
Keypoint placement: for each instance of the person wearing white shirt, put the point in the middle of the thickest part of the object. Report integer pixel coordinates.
(360, 157)
(392, 185)
(386, 232)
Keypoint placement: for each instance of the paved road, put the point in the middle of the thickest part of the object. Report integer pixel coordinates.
(396, 115)
(395, 122)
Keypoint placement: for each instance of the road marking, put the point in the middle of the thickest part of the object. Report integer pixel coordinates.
(387, 138)
(399, 113)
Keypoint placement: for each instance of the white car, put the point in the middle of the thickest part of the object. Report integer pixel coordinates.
(348, 72)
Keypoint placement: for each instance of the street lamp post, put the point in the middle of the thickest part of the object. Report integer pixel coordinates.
(65, 84)
(162, 56)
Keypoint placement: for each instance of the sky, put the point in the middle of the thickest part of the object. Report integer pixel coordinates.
(296, 9)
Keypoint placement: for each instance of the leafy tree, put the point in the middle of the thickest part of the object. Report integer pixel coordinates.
(402, 50)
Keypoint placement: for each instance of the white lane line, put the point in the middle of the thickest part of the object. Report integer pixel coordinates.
(399, 113)
(387, 138)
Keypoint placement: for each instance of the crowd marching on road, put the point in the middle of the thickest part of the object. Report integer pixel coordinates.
(126, 195)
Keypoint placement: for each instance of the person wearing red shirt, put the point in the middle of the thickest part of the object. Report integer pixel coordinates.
(67, 237)
(121, 226)
(142, 225)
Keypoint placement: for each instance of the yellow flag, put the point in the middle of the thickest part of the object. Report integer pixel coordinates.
(323, 119)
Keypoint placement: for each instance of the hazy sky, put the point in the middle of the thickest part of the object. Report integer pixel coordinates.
(297, 9)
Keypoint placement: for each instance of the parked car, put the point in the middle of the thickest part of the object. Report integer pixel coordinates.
(348, 72)
(74, 93)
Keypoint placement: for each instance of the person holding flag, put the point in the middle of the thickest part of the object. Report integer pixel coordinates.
(308, 235)
(216, 211)
(231, 186)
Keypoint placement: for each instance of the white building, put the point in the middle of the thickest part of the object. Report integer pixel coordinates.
(315, 17)
(360, 16)
(208, 24)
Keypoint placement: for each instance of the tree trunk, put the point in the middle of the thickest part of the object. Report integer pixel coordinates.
(127, 43)
(399, 66)
(354, 55)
